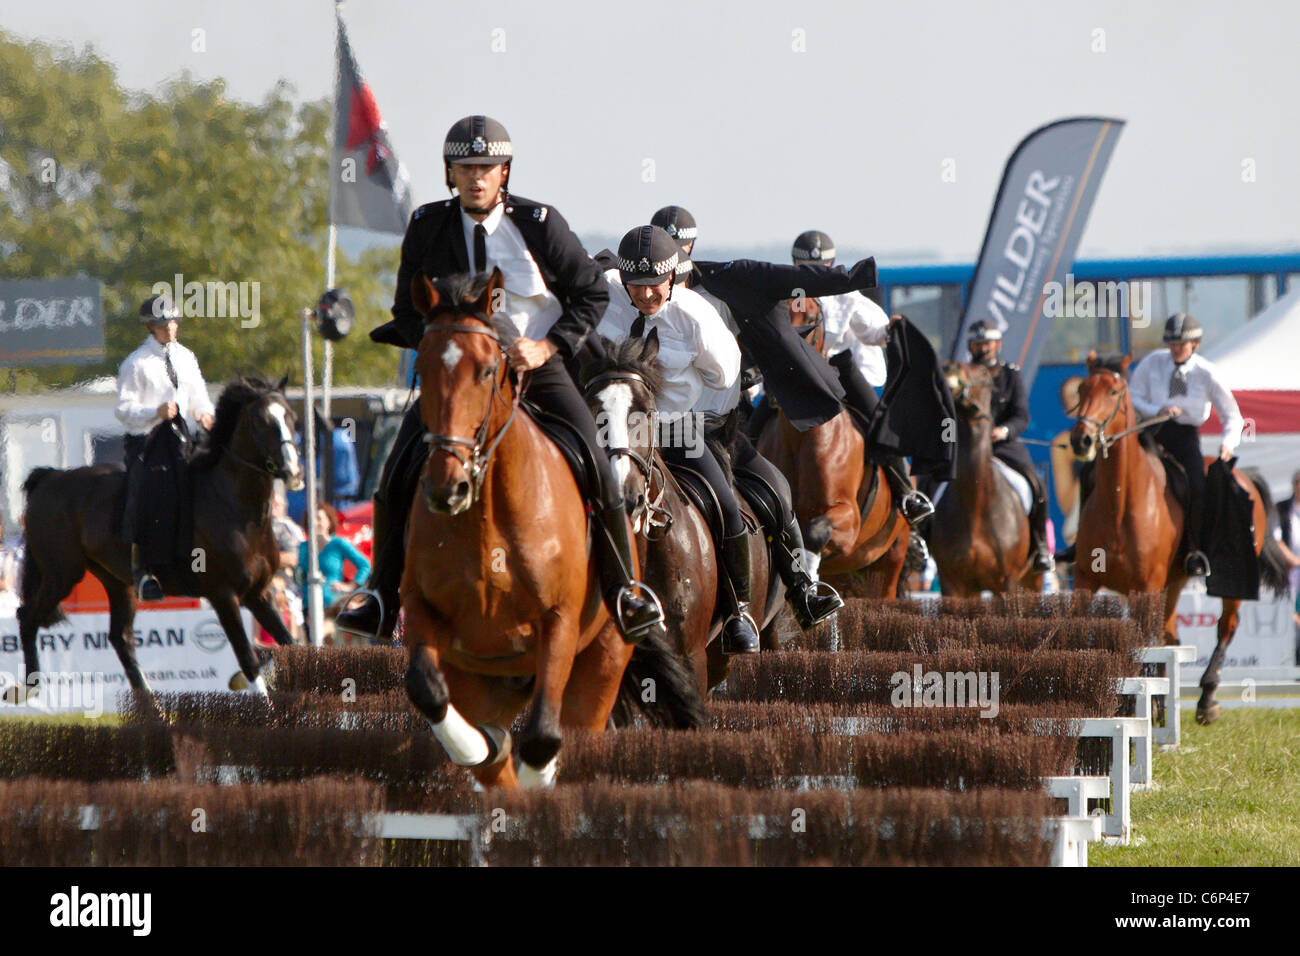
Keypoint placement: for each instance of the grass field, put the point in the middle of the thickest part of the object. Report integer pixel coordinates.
(1229, 796)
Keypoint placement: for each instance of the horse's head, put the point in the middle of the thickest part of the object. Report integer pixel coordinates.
(1103, 406)
(972, 389)
(465, 383)
(806, 317)
(620, 386)
(254, 425)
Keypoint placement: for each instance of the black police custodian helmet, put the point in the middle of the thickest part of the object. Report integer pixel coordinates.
(1181, 327)
(813, 246)
(647, 256)
(478, 141)
(158, 309)
(984, 331)
(678, 223)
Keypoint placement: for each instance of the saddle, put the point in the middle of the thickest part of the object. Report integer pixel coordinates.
(569, 441)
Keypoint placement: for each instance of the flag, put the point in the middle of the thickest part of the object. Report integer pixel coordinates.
(1042, 206)
(369, 188)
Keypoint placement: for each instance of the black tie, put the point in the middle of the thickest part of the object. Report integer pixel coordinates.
(171, 369)
(638, 327)
(1178, 382)
(480, 247)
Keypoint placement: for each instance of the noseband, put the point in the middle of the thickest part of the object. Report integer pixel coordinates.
(479, 448)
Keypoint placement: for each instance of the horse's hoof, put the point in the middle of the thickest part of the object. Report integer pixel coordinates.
(498, 741)
(1207, 715)
(238, 681)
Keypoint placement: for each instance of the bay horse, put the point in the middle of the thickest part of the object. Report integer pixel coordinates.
(72, 528)
(980, 532)
(845, 507)
(622, 384)
(1131, 526)
(500, 593)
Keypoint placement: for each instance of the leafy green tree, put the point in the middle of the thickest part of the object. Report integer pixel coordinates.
(131, 189)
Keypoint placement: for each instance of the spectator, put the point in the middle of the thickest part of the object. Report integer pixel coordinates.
(1288, 536)
(334, 551)
(288, 536)
(10, 571)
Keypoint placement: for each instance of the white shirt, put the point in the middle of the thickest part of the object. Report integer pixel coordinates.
(143, 385)
(531, 306)
(719, 401)
(1149, 388)
(856, 323)
(696, 349)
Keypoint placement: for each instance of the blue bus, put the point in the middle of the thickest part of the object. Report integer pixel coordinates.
(1222, 291)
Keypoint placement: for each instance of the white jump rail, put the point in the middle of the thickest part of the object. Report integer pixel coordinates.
(1077, 791)
(1071, 836)
(1120, 731)
(1142, 690)
(1172, 657)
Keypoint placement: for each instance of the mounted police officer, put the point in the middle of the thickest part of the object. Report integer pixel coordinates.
(159, 382)
(811, 601)
(554, 295)
(1009, 406)
(855, 330)
(1178, 382)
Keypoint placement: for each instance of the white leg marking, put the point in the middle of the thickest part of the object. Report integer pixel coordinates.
(616, 403)
(531, 778)
(451, 355)
(259, 687)
(462, 741)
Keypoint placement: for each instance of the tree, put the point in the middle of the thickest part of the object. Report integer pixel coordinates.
(133, 189)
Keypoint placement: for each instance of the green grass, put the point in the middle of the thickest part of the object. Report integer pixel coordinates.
(1228, 796)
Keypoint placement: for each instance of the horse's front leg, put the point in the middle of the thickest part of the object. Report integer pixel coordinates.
(478, 738)
(226, 604)
(539, 743)
(265, 613)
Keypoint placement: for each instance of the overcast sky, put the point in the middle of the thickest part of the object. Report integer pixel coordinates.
(768, 118)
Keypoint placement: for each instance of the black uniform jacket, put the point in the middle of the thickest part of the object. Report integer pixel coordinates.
(435, 245)
(916, 406)
(800, 379)
(1009, 404)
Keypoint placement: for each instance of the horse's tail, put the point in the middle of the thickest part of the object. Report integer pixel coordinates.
(658, 685)
(1273, 566)
(42, 611)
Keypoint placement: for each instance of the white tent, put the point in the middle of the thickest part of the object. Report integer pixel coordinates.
(1260, 362)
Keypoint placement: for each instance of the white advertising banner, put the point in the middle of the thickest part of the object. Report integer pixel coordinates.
(1266, 633)
(178, 650)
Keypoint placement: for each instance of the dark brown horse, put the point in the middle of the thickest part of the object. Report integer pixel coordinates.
(500, 592)
(72, 528)
(846, 509)
(980, 533)
(622, 388)
(1131, 526)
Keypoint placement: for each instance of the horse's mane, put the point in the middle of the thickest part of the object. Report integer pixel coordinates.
(623, 356)
(1112, 363)
(237, 394)
(457, 290)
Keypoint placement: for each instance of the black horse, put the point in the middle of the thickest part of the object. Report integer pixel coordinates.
(73, 527)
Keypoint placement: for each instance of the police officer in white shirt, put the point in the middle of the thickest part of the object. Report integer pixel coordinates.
(158, 382)
(811, 601)
(1180, 383)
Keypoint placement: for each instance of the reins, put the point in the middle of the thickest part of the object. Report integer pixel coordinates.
(1104, 441)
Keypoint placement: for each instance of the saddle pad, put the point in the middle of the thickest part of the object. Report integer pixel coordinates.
(1019, 484)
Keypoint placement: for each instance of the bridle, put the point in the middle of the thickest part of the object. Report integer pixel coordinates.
(480, 449)
(810, 330)
(646, 513)
(1104, 441)
(268, 465)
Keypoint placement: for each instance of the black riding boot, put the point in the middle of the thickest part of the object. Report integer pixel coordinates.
(812, 601)
(147, 587)
(912, 504)
(377, 617)
(1041, 555)
(1197, 562)
(740, 632)
(636, 615)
